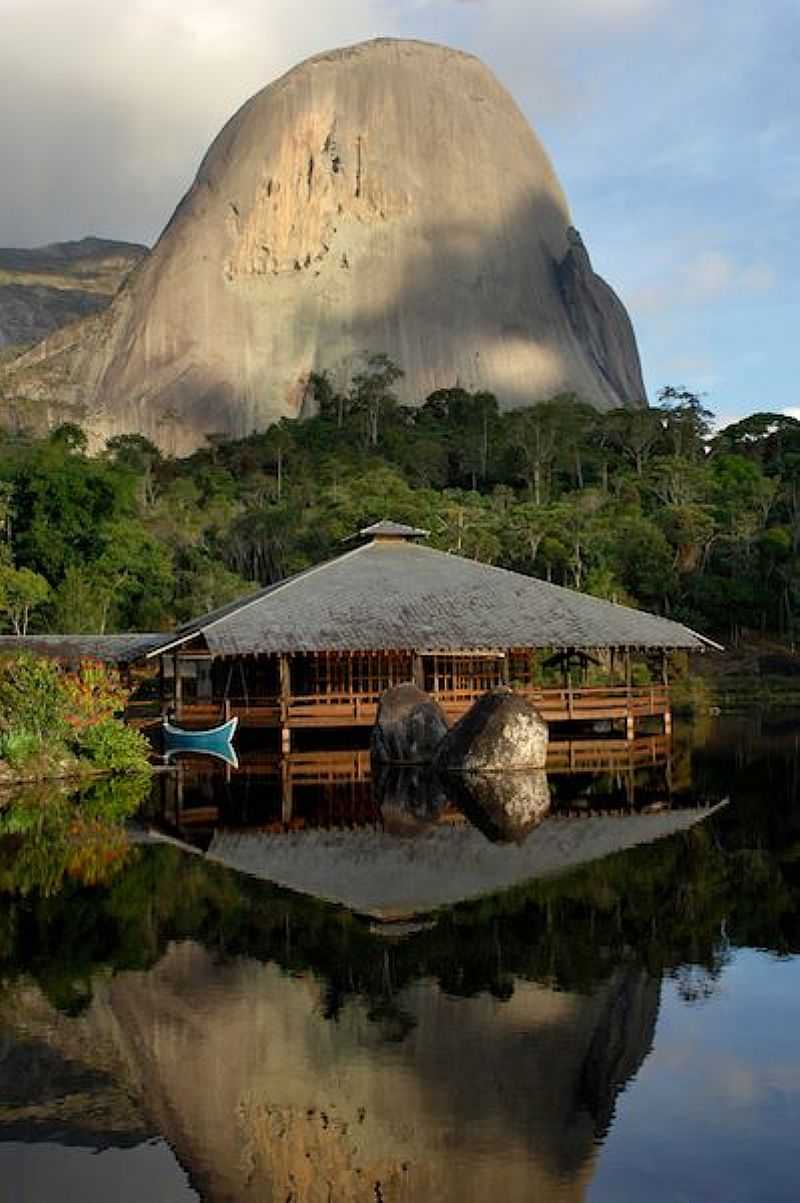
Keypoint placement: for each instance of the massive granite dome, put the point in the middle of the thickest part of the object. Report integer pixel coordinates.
(388, 197)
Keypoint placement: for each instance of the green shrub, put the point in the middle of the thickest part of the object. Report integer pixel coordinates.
(31, 698)
(113, 747)
(19, 747)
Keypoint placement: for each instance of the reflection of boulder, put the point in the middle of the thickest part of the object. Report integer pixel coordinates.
(500, 731)
(504, 806)
(409, 727)
(409, 791)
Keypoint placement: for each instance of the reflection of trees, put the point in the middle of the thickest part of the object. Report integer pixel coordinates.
(734, 880)
(656, 907)
(49, 836)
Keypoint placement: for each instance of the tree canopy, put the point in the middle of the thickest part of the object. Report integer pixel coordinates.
(645, 506)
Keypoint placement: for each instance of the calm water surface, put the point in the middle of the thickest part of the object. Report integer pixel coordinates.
(599, 1008)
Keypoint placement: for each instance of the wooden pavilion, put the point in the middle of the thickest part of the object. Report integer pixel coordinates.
(318, 649)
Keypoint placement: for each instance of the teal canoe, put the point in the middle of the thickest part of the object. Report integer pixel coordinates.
(211, 739)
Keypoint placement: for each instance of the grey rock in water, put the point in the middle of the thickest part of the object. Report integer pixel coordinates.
(504, 806)
(409, 726)
(386, 197)
(500, 732)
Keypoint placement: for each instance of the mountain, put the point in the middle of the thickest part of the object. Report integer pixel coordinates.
(47, 287)
(387, 197)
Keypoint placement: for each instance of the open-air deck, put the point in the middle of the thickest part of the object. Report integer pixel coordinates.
(621, 704)
(318, 650)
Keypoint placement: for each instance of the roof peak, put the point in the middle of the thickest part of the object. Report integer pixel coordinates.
(387, 530)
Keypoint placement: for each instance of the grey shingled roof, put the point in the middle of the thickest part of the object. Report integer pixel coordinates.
(112, 649)
(394, 594)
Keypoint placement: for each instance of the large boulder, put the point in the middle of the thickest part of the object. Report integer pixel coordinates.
(385, 197)
(501, 731)
(409, 727)
(504, 806)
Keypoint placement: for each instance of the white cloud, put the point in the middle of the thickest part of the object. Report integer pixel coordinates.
(107, 108)
(710, 276)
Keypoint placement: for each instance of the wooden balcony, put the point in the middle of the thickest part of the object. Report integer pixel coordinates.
(584, 704)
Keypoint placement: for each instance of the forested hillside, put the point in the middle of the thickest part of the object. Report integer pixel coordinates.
(640, 506)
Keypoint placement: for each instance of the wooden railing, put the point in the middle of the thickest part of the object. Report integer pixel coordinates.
(556, 705)
(590, 703)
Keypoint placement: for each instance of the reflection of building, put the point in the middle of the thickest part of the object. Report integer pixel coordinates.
(335, 787)
(317, 823)
(262, 1098)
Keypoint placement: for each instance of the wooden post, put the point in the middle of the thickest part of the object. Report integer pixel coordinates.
(286, 697)
(287, 799)
(177, 686)
(418, 671)
(162, 692)
(665, 683)
(507, 668)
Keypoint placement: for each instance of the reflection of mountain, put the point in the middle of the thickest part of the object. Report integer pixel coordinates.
(60, 1083)
(378, 874)
(263, 1098)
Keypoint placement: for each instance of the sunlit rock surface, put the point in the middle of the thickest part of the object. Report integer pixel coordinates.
(500, 732)
(387, 197)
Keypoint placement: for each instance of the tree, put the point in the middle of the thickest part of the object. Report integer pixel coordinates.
(687, 423)
(635, 432)
(22, 593)
(371, 393)
(533, 435)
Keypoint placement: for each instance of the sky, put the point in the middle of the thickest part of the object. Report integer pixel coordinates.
(673, 125)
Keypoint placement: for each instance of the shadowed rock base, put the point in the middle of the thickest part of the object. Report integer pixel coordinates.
(409, 727)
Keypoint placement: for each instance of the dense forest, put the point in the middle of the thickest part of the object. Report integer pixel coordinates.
(648, 507)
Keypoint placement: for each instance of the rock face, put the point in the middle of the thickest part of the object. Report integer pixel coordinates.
(387, 197)
(500, 732)
(48, 287)
(409, 727)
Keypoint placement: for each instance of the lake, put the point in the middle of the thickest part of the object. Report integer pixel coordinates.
(291, 982)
